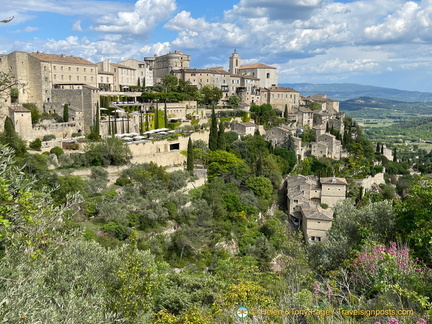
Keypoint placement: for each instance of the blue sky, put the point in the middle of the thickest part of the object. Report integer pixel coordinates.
(377, 42)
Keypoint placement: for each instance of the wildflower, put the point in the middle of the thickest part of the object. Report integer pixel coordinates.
(393, 321)
(421, 321)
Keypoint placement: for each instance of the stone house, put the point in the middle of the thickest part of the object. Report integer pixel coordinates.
(306, 197)
(243, 129)
(21, 118)
(327, 104)
(305, 117)
(280, 97)
(143, 71)
(327, 145)
(41, 73)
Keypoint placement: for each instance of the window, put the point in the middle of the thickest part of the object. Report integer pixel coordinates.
(268, 75)
(77, 69)
(46, 79)
(296, 200)
(54, 67)
(77, 77)
(70, 77)
(70, 69)
(55, 77)
(92, 79)
(85, 78)
(101, 79)
(61, 68)
(85, 69)
(62, 77)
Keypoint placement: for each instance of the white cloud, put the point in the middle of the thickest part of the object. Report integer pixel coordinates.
(141, 21)
(77, 26)
(27, 29)
(66, 7)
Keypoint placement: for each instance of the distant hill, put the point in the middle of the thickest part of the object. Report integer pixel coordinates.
(344, 91)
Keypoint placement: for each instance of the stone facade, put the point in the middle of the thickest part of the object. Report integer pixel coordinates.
(164, 64)
(280, 97)
(143, 71)
(327, 145)
(305, 196)
(265, 73)
(21, 118)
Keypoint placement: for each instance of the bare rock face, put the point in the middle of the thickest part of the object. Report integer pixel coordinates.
(231, 246)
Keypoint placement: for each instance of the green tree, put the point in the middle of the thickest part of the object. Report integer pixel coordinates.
(14, 94)
(111, 151)
(221, 142)
(97, 121)
(34, 112)
(414, 220)
(213, 135)
(11, 138)
(36, 144)
(234, 100)
(261, 186)
(170, 82)
(66, 113)
(190, 156)
(211, 94)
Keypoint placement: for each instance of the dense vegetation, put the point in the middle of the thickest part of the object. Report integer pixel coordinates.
(143, 247)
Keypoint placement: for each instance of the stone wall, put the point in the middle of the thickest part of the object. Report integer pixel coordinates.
(368, 182)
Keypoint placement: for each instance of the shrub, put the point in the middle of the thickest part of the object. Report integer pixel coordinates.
(57, 151)
(36, 144)
(76, 134)
(122, 181)
(119, 231)
(48, 137)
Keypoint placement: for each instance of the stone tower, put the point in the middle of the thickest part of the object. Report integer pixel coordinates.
(234, 63)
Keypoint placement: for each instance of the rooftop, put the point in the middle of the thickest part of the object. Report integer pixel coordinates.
(60, 58)
(256, 66)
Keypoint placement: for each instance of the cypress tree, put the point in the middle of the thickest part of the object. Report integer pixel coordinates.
(12, 139)
(65, 113)
(221, 143)
(147, 123)
(190, 156)
(109, 124)
(286, 112)
(165, 115)
(139, 82)
(213, 136)
(156, 117)
(97, 122)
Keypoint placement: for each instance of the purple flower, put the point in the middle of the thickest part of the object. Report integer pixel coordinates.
(421, 321)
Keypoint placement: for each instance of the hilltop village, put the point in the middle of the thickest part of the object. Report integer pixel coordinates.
(52, 81)
(152, 192)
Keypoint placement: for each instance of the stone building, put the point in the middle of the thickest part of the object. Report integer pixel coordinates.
(327, 145)
(164, 64)
(143, 71)
(21, 118)
(309, 203)
(247, 128)
(280, 97)
(41, 73)
(327, 104)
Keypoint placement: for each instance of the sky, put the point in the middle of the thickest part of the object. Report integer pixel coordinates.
(384, 43)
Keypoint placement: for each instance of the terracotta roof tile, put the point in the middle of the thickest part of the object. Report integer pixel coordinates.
(60, 58)
(256, 66)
